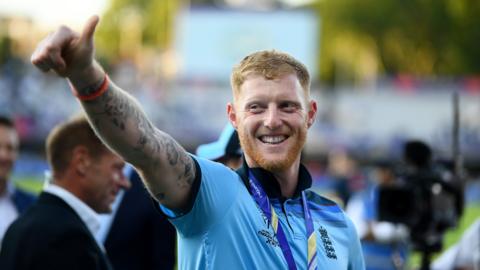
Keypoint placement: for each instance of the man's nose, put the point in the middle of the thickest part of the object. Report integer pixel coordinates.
(272, 118)
(123, 181)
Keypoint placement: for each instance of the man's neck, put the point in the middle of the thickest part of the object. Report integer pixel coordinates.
(286, 178)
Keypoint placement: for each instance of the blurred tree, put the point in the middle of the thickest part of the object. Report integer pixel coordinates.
(418, 37)
(360, 40)
(130, 25)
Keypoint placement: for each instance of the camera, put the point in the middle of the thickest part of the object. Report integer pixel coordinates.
(426, 197)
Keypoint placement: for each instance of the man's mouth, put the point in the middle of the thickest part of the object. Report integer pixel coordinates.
(273, 139)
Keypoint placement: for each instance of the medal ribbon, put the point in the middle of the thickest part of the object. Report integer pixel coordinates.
(263, 202)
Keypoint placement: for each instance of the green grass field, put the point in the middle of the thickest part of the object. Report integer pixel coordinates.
(471, 213)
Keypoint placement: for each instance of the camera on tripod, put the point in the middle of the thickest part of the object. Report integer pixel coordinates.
(426, 197)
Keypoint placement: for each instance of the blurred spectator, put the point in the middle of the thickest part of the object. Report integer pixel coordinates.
(465, 255)
(225, 150)
(341, 178)
(135, 236)
(384, 244)
(56, 232)
(13, 201)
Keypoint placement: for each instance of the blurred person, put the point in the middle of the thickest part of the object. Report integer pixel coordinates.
(134, 235)
(263, 216)
(465, 254)
(341, 177)
(13, 201)
(56, 232)
(384, 244)
(225, 150)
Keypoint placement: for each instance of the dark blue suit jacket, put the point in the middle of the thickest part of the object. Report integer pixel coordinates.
(140, 237)
(22, 200)
(50, 235)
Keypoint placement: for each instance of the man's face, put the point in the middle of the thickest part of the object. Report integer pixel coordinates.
(272, 118)
(8, 151)
(105, 179)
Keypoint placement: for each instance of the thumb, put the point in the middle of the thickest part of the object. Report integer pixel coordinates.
(89, 29)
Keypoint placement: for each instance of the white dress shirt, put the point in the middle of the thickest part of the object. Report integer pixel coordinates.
(86, 214)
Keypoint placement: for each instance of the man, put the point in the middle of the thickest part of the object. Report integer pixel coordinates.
(135, 236)
(261, 218)
(384, 244)
(225, 150)
(57, 231)
(13, 201)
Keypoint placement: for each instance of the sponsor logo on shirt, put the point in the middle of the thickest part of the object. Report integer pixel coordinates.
(269, 238)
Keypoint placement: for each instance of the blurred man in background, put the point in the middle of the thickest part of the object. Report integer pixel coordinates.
(13, 201)
(223, 219)
(135, 236)
(225, 150)
(57, 231)
(384, 244)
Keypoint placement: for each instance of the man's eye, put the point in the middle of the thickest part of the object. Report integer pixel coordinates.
(289, 107)
(255, 108)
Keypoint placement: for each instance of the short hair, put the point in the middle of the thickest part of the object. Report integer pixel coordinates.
(271, 65)
(6, 122)
(63, 139)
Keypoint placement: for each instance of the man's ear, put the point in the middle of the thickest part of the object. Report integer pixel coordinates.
(81, 160)
(312, 113)
(232, 115)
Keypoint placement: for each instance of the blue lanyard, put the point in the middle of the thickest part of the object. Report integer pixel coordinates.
(263, 202)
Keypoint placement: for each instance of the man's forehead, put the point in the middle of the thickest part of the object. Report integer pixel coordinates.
(8, 133)
(260, 86)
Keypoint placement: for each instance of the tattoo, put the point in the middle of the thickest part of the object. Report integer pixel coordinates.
(188, 173)
(119, 109)
(143, 143)
(188, 176)
(90, 89)
(172, 153)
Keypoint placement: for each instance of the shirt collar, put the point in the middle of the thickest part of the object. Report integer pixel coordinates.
(87, 215)
(271, 185)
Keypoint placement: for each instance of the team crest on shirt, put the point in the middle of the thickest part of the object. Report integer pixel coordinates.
(327, 244)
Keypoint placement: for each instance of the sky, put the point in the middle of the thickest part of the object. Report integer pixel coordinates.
(51, 13)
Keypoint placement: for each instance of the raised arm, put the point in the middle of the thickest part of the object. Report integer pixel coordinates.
(166, 168)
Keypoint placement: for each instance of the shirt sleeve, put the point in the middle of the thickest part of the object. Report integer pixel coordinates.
(218, 189)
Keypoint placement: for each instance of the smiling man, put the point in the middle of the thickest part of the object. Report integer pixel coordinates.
(56, 232)
(260, 217)
(13, 201)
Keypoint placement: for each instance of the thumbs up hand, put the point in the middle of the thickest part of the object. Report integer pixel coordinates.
(70, 54)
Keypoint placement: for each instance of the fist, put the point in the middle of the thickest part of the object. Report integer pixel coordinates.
(67, 52)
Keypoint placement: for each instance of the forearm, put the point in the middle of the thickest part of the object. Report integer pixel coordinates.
(121, 123)
(116, 117)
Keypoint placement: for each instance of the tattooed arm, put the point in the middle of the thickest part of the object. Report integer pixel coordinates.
(168, 171)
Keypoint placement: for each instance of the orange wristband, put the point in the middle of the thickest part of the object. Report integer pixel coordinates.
(95, 94)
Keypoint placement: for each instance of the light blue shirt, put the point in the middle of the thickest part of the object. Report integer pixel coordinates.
(226, 229)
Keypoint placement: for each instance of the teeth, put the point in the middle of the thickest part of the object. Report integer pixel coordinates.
(272, 139)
